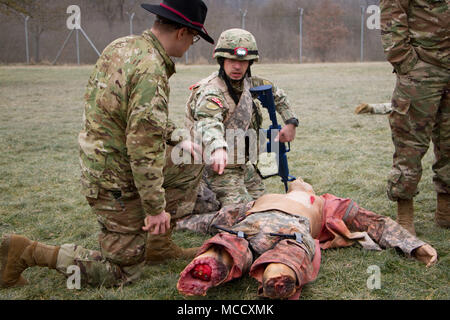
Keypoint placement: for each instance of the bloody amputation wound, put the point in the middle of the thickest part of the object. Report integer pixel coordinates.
(192, 280)
(202, 272)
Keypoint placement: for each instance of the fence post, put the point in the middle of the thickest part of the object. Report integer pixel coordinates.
(77, 42)
(131, 21)
(301, 33)
(243, 15)
(27, 47)
(363, 9)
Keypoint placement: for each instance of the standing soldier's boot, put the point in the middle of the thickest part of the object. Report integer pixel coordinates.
(18, 253)
(405, 214)
(161, 248)
(442, 216)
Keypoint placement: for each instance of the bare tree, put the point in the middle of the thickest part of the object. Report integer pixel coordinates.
(112, 10)
(18, 6)
(44, 17)
(325, 28)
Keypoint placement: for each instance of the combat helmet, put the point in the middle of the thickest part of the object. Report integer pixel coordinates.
(237, 44)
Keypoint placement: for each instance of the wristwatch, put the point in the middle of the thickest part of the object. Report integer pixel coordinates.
(293, 121)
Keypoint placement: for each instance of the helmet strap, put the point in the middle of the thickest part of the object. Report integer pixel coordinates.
(225, 78)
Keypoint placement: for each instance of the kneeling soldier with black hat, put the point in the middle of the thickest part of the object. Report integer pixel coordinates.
(127, 177)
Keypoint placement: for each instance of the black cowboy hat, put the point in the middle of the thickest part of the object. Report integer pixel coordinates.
(189, 13)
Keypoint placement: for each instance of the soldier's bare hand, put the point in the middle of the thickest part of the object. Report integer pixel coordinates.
(159, 224)
(219, 160)
(286, 134)
(427, 254)
(193, 148)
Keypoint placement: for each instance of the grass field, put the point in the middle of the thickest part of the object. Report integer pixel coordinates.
(335, 150)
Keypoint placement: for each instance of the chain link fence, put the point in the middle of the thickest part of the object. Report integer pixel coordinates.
(308, 34)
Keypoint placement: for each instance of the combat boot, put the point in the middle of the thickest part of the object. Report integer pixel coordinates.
(18, 253)
(363, 108)
(442, 216)
(161, 248)
(405, 214)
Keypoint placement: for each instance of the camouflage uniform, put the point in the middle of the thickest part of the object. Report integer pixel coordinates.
(416, 39)
(127, 173)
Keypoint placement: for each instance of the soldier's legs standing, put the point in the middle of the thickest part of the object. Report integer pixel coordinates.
(416, 104)
(441, 141)
(441, 167)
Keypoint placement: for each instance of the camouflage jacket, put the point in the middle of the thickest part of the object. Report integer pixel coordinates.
(210, 106)
(416, 29)
(123, 140)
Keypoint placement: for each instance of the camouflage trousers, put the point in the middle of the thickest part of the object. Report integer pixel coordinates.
(237, 184)
(121, 257)
(421, 105)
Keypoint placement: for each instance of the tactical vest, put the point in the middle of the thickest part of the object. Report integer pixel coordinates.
(238, 116)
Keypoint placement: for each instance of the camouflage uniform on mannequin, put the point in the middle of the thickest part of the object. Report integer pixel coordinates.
(223, 101)
(416, 39)
(127, 174)
(277, 239)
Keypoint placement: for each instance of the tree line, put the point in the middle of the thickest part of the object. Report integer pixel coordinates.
(331, 28)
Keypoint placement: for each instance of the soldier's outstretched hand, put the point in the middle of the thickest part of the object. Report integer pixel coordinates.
(286, 134)
(193, 148)
(427, 254)
(159, 224)
(219, 160)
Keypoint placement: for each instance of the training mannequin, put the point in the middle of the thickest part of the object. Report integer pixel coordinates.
(285, 234)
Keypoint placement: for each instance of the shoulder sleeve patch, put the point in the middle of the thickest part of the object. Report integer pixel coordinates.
(211, 106)
(217, 101)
